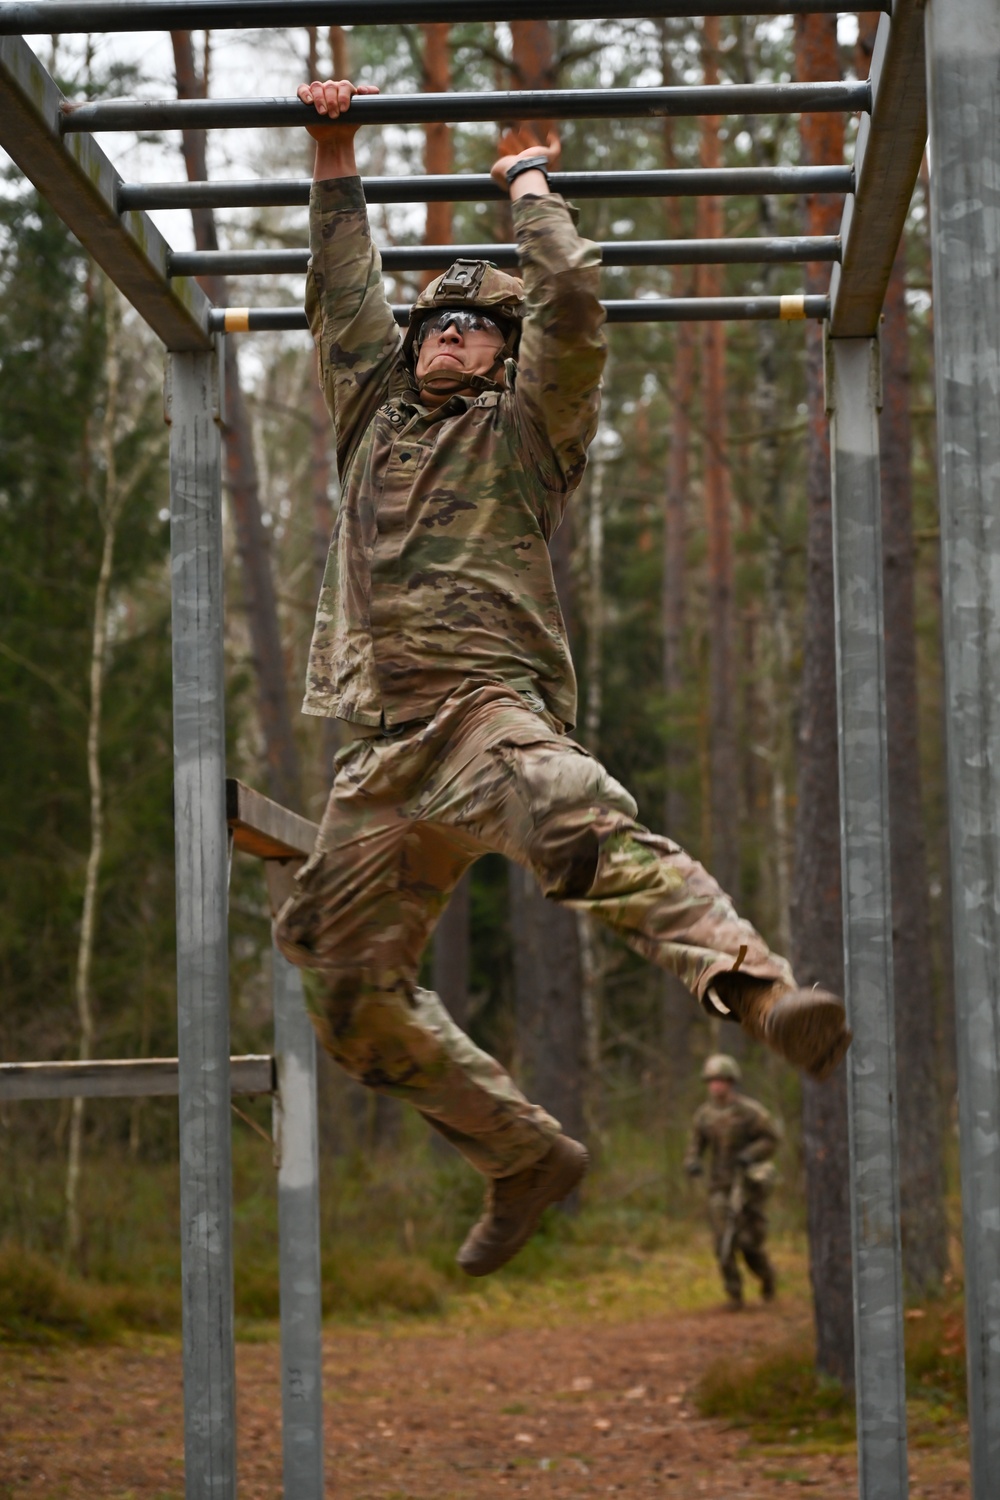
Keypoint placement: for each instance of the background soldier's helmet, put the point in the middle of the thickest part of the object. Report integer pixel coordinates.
(473, 284)
(721, 1066)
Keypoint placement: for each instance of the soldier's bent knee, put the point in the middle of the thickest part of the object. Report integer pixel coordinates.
(565, 848)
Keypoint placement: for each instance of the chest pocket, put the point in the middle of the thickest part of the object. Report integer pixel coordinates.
(408, 458)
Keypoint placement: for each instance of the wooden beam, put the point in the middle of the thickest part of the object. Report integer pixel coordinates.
(142, 1078)
(265, 828)
(887, 157)
(80, 183)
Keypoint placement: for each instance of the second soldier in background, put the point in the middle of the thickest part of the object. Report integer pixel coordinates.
(740, 1138)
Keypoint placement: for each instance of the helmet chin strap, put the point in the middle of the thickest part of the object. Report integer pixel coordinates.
(443, 382)
(451, 382)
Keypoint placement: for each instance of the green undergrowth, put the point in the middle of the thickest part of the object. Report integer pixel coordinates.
(41, 1304)
(781, 1397)
(392, 1220)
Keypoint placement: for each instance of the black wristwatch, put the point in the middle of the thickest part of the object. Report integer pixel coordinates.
(528, 164)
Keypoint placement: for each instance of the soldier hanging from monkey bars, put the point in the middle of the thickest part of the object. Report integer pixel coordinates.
(440, 646)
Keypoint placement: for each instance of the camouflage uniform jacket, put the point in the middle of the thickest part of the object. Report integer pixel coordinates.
(736, 1134)
(439, 571)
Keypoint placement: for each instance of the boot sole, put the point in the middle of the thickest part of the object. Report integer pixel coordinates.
(570, 1173)
(810, 1030)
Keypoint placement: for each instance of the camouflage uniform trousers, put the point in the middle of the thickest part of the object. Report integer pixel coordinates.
(407, 815)
(749, 1239)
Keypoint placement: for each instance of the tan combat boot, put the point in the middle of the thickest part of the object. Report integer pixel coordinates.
(515, 1204)
(807, 1027)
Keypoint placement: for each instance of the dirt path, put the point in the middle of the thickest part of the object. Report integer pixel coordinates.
(434, 1415)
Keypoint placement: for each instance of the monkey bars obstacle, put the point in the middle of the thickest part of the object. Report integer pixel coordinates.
(945, 54)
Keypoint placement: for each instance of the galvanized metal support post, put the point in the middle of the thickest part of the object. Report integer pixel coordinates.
(297, 1150)
(193, 411)
(853, 400)
(963, 65)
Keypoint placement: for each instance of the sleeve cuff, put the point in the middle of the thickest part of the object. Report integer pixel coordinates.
(337, 194)
(534, 210)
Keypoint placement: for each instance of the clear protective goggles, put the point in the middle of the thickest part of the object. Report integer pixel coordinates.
(465, 320)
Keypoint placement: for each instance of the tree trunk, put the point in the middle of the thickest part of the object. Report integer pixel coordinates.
(339, 51)
(773, 675)
(280, 751)
(674, 582)
(437, 148)
(724, 852)
(551, 1040)
(817, 929)
(921, 1169)
(450, 962)
(679, 1014)
(534, 60)
(925, 1232)
(590, 938)
(110, 511)
(594, 662)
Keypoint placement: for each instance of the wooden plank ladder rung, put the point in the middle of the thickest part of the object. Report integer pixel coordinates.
(265, 828)
(139, 1078)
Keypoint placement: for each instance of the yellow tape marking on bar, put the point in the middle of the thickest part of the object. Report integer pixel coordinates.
(238, 319)
(792, 308)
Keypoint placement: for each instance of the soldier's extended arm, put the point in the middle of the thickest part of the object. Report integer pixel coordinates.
(359, 345)
(563, 349)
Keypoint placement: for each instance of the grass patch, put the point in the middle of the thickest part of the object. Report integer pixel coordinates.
(935, 1353)
(41, 1304)
(778, 1397)
(393, 1283)
(355, 1285)
(782, 1398)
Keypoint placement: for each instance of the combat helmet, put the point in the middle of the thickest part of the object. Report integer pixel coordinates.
(721, 1065)
(473, 284)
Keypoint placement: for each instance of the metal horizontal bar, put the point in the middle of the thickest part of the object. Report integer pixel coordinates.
(887, 157)
(47, 17)
(790, 309)
(265, 828)
(638, 310)
(141, 1078)
(479, 187)
(439, 257)
(510, 104)
(82, 186)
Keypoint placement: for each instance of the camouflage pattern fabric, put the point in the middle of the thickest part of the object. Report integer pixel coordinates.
(439, 571)
(737, 1135)
(407, 815)
(748, 1239)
